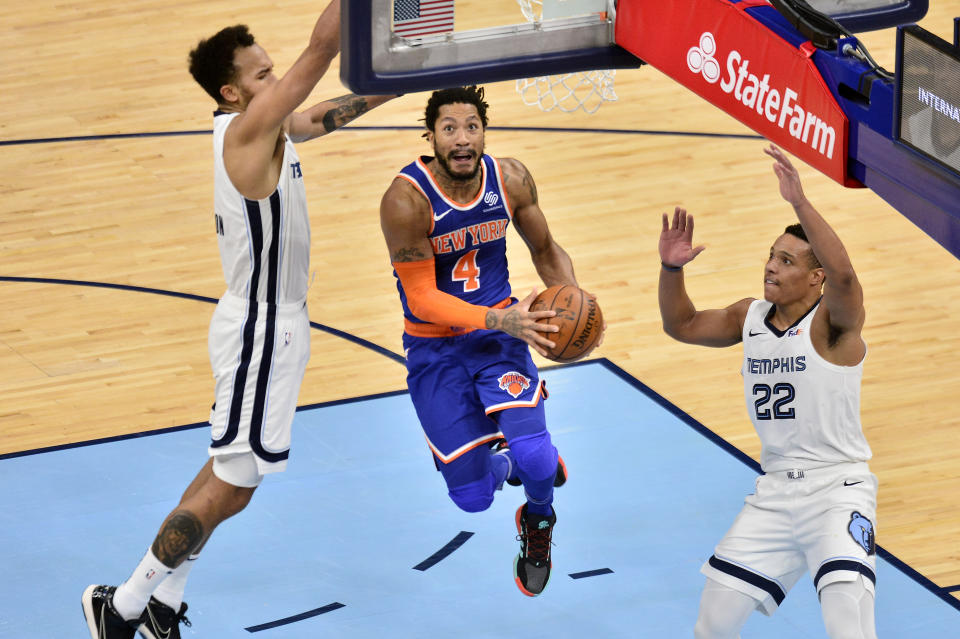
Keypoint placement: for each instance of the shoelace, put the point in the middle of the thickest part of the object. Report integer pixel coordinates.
(182, 618)
(178, 617)
(537, 544)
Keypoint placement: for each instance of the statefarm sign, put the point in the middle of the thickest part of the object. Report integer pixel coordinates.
(720, 52)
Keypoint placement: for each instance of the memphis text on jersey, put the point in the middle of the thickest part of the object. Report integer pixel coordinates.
(774, 366)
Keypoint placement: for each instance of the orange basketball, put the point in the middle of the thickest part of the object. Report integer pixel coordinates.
(578, 317)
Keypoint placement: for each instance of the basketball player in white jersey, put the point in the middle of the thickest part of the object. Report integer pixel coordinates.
(259, 335)
(814, 508)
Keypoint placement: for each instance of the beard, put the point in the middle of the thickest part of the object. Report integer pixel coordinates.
(459, 177)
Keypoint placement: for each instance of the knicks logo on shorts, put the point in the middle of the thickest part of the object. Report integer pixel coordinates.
(514, 383)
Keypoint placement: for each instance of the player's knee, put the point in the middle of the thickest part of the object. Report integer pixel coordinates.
(238, 469)
(846, 608)
(475, 496)
(712, 627)
(535, 455)
(723, 611)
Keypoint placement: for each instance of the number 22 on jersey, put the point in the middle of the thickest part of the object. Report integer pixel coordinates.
(783, 395)
(467, 271)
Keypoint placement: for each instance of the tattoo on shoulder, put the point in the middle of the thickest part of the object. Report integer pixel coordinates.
(408, 255)
(349, 107)
(528, 182)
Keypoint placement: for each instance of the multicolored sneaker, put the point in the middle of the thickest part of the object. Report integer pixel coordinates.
(160, 621)
(103, 620)
(531, 568)
(560, 479)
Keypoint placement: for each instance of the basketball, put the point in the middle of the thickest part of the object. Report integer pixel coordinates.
(578, 317)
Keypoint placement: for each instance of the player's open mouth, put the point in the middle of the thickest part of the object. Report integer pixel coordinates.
(461, 157)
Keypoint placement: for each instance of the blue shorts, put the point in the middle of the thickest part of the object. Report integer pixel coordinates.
(458, 384)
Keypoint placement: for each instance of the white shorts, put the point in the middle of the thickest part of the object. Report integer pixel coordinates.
(258, 366)
(824, 522)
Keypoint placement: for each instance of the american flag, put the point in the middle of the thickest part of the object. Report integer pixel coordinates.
(412, 18)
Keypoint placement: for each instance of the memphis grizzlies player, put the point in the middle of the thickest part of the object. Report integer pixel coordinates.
(445, 219)
(814, 508)
(259, 336)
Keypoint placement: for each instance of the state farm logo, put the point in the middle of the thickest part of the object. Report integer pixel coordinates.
(780, 106)
(700, 59)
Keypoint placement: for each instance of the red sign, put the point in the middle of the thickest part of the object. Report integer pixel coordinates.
(721, 53)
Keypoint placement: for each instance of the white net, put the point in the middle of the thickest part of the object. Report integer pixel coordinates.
(567, 92)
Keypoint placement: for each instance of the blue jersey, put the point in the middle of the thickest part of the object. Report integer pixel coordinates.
(469, 240)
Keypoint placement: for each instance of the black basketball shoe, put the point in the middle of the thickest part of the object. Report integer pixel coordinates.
(103, 620)
(159, 620)
(531, 568)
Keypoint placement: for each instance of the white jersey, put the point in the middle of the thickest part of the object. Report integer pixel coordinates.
(264, 244)
(805, 409)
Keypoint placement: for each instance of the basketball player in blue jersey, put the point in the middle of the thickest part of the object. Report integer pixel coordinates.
(260, 334)
(471, 378)
(815, 505)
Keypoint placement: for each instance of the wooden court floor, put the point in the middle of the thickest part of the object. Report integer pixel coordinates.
(79, 362)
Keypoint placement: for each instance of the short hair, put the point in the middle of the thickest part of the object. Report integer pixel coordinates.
(211, 62)
(456, 95)
(797, 231)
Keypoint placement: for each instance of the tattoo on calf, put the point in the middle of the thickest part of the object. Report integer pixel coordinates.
(349, 107)
(178, 537)
(408, 255)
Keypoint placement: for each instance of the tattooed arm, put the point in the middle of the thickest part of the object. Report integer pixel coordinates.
(405, 219)
(551, 261)
(330, 115)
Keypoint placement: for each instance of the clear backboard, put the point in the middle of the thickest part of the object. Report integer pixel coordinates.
(402, 46)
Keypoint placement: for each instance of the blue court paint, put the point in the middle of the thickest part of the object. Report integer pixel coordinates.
(444, 552)
(361, 503)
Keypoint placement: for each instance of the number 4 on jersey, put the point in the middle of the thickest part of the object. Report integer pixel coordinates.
(467, 271)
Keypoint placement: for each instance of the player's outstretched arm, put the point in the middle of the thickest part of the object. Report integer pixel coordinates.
(681, 320)
(552, 263)
(330, 115)
(405, 221)
(842, 293)
(270, 108)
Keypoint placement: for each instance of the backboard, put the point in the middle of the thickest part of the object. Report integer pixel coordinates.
(382, 54)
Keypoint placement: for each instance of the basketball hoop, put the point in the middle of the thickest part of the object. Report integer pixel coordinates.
(568, 92)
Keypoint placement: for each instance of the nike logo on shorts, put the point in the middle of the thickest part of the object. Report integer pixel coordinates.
(852, 483)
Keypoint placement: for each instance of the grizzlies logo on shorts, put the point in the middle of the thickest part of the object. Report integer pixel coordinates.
(861, 529)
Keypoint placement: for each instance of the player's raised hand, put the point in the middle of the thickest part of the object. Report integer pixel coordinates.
(518, 320)
(790, 188)
(676, 239)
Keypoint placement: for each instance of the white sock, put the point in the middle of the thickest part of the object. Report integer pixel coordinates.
(170, 590)
(132, 595)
